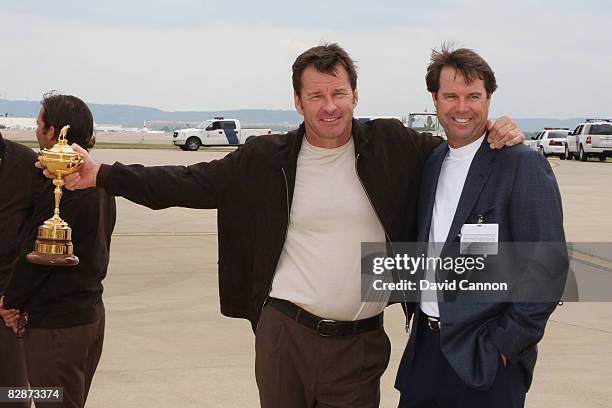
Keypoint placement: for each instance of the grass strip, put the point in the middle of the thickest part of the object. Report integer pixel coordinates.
(107, 145)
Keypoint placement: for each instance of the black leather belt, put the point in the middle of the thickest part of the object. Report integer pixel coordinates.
(326, 327)
(432, 322)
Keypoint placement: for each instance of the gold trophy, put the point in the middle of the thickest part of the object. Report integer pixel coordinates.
(54, 245)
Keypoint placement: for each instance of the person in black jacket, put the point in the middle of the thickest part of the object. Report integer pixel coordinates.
(20, 188)
(65, 332)
(292, 212)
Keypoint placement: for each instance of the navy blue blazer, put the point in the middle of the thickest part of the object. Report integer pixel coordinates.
(515, 188)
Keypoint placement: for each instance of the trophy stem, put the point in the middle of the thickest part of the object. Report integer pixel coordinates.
(58, 182)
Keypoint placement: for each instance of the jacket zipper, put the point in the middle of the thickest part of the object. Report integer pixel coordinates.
(404, 305)
(286, 232)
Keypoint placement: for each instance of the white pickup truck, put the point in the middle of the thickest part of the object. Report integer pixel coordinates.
(215, 132)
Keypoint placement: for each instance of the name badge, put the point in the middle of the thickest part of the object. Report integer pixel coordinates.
(479, 239)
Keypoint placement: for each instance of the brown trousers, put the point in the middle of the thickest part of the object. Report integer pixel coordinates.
(297, 368)
(12, 364)
(65, 358)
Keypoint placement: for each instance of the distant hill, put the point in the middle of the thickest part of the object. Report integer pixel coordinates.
(536, 124)
(131, 115)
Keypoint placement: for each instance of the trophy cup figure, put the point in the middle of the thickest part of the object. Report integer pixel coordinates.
(54, 245)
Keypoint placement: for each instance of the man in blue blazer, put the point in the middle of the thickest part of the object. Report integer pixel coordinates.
(479, 354)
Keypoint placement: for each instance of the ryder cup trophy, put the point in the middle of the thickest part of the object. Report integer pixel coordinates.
(54, 245)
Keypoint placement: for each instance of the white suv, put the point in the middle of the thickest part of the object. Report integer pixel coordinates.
(592, 138)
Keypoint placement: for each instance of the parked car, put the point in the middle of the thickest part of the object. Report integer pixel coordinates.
(592, 138)
(551, 142)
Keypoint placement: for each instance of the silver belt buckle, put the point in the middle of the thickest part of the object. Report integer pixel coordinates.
(319, 327)
(434, 323)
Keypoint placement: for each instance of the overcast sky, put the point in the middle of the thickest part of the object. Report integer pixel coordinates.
(551, 58)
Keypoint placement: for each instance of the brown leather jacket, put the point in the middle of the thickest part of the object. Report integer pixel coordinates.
(252, 188)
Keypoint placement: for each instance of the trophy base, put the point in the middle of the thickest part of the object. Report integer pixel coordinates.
(53, 246)
(52, 259)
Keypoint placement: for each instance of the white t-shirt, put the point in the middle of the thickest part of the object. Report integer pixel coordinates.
(320, 265)
(450, 185)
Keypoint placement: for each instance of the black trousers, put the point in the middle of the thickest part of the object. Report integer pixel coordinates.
(434, 384)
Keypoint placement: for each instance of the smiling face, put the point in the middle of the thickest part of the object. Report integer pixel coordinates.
(327, 103)
(462, 108)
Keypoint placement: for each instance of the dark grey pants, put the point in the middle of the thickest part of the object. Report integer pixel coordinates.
(65, 358)
(297, 368)
(12, 364)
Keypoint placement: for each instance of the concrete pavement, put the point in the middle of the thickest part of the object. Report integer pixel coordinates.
(167, 344)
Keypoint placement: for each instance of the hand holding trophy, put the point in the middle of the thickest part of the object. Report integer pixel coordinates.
(54, 245)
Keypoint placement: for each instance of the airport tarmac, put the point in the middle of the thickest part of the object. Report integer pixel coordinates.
(164, 138)
(167, 345)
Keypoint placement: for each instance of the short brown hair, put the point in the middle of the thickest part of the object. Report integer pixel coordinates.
(465, 61)
(324, 58)
(61, 110)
